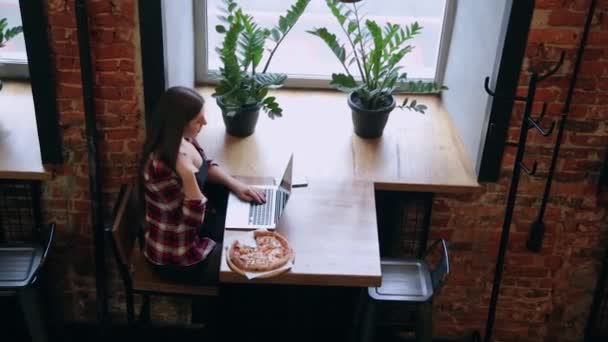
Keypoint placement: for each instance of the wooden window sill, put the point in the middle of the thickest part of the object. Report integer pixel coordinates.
(19, 145)
(416, 153)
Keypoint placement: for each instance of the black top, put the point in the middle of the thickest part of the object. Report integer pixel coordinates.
(203, 172)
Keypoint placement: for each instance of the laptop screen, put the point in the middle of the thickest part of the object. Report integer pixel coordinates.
(286, 180)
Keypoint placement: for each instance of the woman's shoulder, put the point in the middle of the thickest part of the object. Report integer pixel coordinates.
(196, 145)
(156, 169)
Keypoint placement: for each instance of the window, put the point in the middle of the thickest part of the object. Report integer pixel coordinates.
(13, 57)
(306, 58)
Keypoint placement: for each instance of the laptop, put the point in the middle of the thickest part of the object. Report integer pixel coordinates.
(246, 215)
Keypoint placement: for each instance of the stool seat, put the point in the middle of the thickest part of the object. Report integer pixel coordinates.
(410, 282)
(406, 280)
(18, 263)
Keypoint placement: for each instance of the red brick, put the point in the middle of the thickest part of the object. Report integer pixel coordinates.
(71, 118)
(115, 121)
(98, 7)
(564, 17)
(549, 4)
(81, 205)
(62, 34)
(68, 63)
(121, 134)
(70, 76)
(594, 68)
(68, 91)
(107, 65)
(115, 79)
(598, 38)
(588, 140)
(64, 19)
(110, 20)
(113, 51)
(121, 107)
(65, 49)
(553, 262)
(103, 35)
(553, 36)
(127, 65)
(111, 146)
(584, 97)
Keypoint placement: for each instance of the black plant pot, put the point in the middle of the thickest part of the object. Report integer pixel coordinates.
(241, 124)
(369, 123)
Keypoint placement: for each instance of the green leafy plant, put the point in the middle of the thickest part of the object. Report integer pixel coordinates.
(376, 52)
(6, 33)
(241, 82)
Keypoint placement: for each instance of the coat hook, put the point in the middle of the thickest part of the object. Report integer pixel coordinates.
(540, 116)
(543, 132)
(486, 85)
(530, 172)
(542, 112)
(555, 68)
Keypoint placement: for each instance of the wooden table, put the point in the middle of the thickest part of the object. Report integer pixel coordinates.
(416, 153)
(332, 228)
(332, 224)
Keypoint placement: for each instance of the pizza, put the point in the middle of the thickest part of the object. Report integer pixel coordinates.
(271, 252)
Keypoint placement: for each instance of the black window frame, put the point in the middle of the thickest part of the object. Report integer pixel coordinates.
(42, 80)
(516, 41)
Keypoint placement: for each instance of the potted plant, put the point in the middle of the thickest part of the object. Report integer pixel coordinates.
(243, 87)
(376, 52)
(7, 34)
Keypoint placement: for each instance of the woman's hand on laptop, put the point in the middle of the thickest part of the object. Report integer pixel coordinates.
(248, 193)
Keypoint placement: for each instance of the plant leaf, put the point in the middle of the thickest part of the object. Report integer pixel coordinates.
(336, 9)
(275, 34)
(270, 80)
(352, 26)
(345, 83)
(332, 42)
(220, 29)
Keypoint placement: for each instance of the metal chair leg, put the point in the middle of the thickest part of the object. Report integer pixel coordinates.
(368, 328)
(144, 316)
(358, 317)
(34, 316)
(424, 322)
(130, 307)
(197, 313)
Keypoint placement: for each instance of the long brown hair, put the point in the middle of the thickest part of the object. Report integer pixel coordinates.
(174, 110)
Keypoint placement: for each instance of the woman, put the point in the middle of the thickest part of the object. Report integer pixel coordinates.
(175, 173)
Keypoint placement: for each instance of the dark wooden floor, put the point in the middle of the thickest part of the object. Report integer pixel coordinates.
(11, 324)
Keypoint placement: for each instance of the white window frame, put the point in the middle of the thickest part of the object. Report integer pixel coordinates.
(202, 76)
(13, 69)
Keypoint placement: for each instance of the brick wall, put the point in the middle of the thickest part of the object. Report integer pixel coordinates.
(114, 41)
(545, 296)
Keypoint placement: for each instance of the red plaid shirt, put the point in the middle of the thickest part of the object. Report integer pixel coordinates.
(172, 220)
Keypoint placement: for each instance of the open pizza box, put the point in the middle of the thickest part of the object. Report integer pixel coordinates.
(249, 240)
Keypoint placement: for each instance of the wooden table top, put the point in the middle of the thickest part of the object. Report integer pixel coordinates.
(332, 229)
(19, 146)
(416, 153)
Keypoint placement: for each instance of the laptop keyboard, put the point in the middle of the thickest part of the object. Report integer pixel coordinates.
(260, 214)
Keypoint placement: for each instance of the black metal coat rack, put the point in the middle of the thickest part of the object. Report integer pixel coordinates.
(528, 122)
(536, 234)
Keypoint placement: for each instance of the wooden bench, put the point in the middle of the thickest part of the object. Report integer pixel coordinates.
(137, 274)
